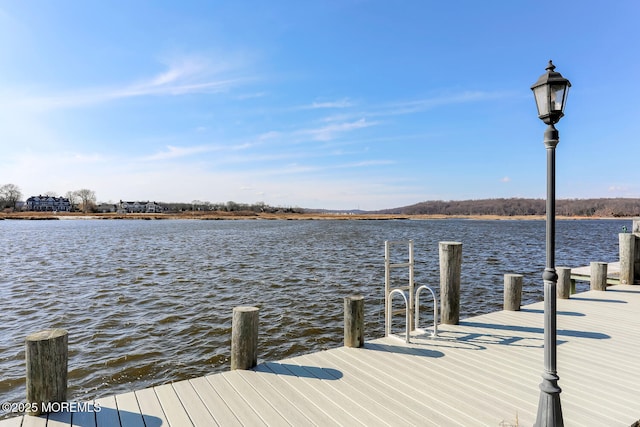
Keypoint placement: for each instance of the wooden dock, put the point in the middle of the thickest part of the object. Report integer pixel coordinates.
(583, 274)
(483, 372)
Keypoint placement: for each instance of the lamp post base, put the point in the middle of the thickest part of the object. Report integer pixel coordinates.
(549, 407)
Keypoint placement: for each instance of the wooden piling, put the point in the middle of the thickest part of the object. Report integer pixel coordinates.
(354, 321)
(244, 338)
(564, 288)
(627, 245)
(512, 291)
(47, 356)
(598, 276)
(450, 271)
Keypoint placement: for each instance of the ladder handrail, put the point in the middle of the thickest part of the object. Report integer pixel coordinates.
(388, 322)
(435, 309)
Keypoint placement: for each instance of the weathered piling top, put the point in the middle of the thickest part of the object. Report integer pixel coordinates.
(484, 371)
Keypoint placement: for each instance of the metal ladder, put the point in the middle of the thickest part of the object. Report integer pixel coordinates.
(409, 294)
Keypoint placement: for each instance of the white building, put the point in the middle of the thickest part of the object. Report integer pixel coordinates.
(139, 207)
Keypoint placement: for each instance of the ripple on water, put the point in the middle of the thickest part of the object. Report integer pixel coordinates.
(158, 309)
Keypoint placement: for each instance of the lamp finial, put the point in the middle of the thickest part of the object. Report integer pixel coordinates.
(550, 67)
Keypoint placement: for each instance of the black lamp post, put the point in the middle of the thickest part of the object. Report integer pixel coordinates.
(550, 92)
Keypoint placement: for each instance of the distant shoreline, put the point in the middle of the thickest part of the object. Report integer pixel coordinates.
(244, 215)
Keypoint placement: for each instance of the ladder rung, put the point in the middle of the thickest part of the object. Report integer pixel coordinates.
(404, 264)
(398, 242)
(398, 311)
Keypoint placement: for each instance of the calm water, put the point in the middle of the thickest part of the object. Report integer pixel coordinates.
(149, 302)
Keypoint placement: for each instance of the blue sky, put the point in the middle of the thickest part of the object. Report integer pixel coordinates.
(318, 104)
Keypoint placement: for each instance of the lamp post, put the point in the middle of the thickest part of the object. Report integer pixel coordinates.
(550, 92)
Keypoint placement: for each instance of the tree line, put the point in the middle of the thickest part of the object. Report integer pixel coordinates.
(614, 207)
(230, 206)
(85, 200)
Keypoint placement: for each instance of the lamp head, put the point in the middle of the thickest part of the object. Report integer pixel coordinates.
(550, 92)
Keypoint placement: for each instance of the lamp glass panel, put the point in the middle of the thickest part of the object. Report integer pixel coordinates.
(542, 102)
(557, 97)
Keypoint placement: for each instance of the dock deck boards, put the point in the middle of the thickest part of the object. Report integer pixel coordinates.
(483, 372)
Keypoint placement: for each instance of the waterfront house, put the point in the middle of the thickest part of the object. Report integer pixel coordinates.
(48, 204)
(106, 208)
(139, 207)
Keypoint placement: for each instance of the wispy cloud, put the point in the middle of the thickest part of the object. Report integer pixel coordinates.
(245, 96)
(367, 163)
(324, 105)
(182, 76)
(342, 103)
(269, 135)
(347, 112)
(419, 105)
(175, 88)
(174, 152)
(295, 168)
(505, 179)
(330, 131)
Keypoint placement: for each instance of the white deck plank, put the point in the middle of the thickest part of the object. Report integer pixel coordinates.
(326, 404)
(509, 371)
(108, 415)
(256, 399)
(197, 410)
(129, 410)
(440, 398)
(354, 381)
(234, 401)
(389, 389)
(515, 376)
(84, 419)
(270, 381)
(329, 384)
(262, 384)
(214, 403)
(59, 419)
(479, 386)
(30, 421)
(172, 407)
(344, 406)
(369, 399)
(12, 422)
(151, 409)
